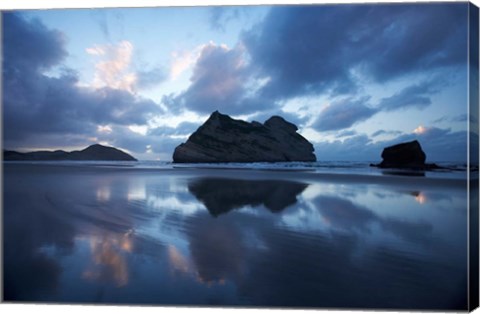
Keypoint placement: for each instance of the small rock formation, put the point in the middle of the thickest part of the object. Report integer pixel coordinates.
(94, 152)
(408, 155)
(223, 139)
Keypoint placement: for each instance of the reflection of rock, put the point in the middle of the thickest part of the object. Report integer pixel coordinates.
(221, 195)
(408, 155)
(308, 269)
(405, 173)
(223, 139)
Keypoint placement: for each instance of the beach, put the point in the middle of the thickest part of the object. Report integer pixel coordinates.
(197, 236)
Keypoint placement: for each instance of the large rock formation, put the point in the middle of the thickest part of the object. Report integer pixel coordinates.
(93, 152)
(223, 139)
(408, 155)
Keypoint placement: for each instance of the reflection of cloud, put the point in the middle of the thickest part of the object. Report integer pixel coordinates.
(302, 267)
(222, 195)
(103, 193)
(173, 203)
(177, 260)
(420, 197)
(343, 214)
(137, 192)
(108, 259)
(30, 223)
(347, 216)
(217, 250)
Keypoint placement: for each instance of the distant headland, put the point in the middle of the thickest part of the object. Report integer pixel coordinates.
(94, 152)
(223, 139)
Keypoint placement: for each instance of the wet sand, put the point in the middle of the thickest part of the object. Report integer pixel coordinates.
(230, 237)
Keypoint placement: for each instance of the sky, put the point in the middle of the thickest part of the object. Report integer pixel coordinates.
(354, 78)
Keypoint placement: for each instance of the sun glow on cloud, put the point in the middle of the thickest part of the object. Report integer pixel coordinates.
(104, 129)
(420, 130)
(182, 61)
(114, 68)
(140, 129)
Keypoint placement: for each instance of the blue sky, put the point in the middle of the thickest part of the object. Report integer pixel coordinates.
(354, 78)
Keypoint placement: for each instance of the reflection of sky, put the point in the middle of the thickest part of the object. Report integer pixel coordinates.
(153, 241)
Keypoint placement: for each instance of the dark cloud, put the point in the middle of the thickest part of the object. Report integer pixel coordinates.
(314, 49)
(100, 18)
(184, 128)
(381, 132)
(355, 148)
(438, 144)
(150, 78)
(38, 108)
(343, 114)
(324, 49)
(288, 116)
(347, 133)
(29, 47)
(458, 118)
(417, 96)
(221, 15)
(218, 83)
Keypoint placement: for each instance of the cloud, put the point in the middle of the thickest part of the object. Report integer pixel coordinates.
(150, 78)
(114, 69)
(458, 118)
(221, 15)
(438, 144)
(182, 61)
(382, 132)
(100, 18)
(347, 112)
(299, 51)
(343, 114)
(40, 110)
(347, 133)
(319, 49)
(218, 83)
(416, 96)
(288, 116)
(29, 46)
(355, 148)
(183, 129)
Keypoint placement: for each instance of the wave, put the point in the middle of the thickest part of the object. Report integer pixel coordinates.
(448, 170)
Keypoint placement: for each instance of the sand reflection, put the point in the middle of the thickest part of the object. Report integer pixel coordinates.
(177, 260)
(108, 262)
(420, 197)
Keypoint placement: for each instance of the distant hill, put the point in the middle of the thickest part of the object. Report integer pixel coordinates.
(93, 152)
